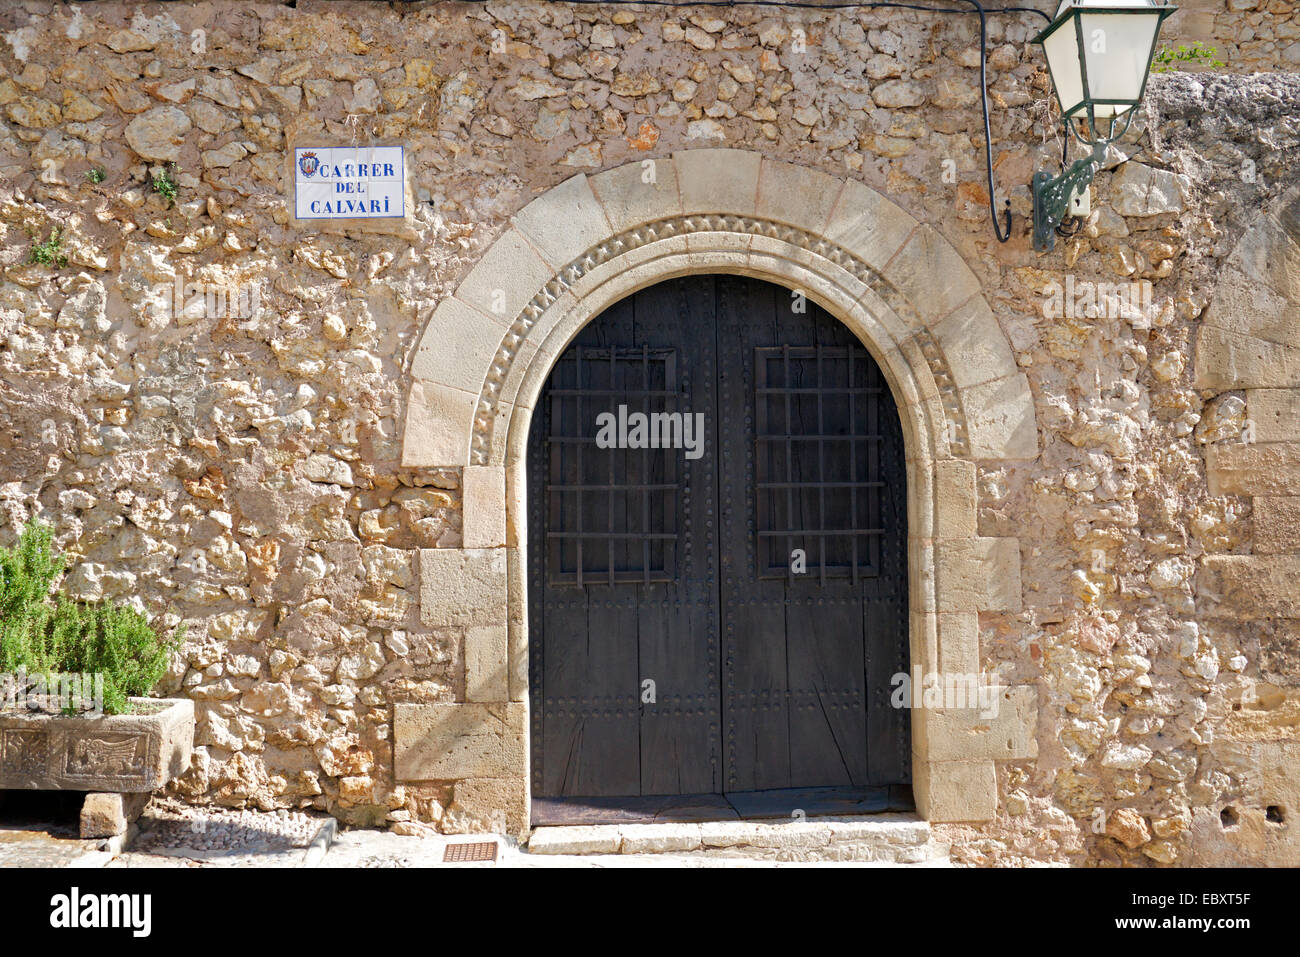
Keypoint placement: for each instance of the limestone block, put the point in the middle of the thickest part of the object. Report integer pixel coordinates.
(439, 420)
(592, 839)
(457, 347)
(928, 271)
(955, 791)
(868, 225)
(658, 839)
(1245, 305)
(1277, 524)
(564, 221)
(1260, 468)
(451, 742)
(1000, 419)
(978, 574)
(1269, 255)
(483, 494)
(1250, 586)
(969, 734)
(1230, 359)
(1245, 830)
(718, 180)
(629, 200)
(502, 282)
(462, 586)
(796, 195)
(110, 815)
(954, 499)
(491, 805)
(974, 345)
(959, 642)
(486, 677)
(517, 624)
(1276, 414)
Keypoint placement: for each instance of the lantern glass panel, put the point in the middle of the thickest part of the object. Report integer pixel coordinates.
(1117, 52)
(1061, 48)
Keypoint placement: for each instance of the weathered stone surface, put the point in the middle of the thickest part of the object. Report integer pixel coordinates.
(951, 791)
(450, 742)
(138, 752)
(1250, 586)
(1000, 418)
(1128, 827)
(484, 507)
(462, 587)
(1144, 191)
(1230, 359)
(1276, 414)
(110, 815)
(486, 675)
(492, 805)
(978, 574)
(718, 181)
(564, 222)
(159, 133)
(1277, 524)
(1003, 732)
(1271, 468)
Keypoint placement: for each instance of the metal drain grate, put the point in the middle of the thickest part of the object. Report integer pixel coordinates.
(464, 852)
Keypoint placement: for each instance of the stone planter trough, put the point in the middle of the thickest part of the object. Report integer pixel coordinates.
(119, 759)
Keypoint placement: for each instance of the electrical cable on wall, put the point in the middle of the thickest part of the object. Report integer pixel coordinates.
(1001, 231)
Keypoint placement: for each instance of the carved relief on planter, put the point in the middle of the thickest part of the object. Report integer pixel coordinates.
(127, 753)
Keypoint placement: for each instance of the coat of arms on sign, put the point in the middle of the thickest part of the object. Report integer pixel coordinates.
(308, 163)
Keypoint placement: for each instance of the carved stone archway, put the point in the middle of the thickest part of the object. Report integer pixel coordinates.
(486, 351)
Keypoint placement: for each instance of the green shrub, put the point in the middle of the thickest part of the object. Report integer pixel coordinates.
(48, 253)
(165, 185)
(55, 635)
(1167, 60)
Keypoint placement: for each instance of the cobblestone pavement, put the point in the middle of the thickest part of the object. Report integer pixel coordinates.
(179, 836)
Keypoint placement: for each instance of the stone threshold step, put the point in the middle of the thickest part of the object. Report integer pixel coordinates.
(899, 837)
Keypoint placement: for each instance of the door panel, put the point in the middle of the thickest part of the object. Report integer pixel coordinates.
(646, 564)
(623, 580)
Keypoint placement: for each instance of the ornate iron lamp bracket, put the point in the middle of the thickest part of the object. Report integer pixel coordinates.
(1052, 196)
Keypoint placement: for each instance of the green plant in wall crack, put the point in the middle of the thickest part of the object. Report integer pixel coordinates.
(50, 635)
(1167, 60)
(95, 175)
(165, 185)
(49, 252)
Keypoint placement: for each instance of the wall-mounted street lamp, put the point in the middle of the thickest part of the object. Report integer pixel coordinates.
(1099, 55)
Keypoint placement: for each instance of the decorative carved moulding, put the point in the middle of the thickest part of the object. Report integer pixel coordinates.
(123, 752)
(666, 228)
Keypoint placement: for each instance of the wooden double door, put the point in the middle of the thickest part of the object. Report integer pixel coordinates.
(717, 552)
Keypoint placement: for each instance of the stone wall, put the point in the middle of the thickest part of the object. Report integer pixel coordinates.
(1249, 35)
(250, 475)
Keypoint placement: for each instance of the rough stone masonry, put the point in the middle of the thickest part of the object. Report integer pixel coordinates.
(233, 456)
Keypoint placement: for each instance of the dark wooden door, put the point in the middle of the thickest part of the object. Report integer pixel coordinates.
(724, 614)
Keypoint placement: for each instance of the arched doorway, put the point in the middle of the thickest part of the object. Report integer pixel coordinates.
(717, 567)
(486, 352)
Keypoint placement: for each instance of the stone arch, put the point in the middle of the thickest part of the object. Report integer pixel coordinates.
(486, 351)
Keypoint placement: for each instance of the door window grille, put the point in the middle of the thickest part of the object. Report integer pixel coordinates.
(611, 513)
(818, 481)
